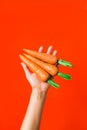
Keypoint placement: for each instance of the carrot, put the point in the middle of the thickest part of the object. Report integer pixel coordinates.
(42, 74)
(49, 58)
(51, 69)
(42, 56)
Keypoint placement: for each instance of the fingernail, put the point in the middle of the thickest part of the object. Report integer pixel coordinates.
(51, 46)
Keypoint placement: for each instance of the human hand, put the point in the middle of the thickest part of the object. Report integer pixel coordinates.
(32, 78)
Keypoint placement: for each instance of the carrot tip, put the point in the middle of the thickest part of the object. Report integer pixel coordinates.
(23, 49)
(24, 54)
(19, 55)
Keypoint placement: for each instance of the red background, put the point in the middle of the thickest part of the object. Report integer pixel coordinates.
(62, 24)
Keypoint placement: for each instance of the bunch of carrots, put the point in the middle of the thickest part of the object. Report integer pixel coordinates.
(44, 65)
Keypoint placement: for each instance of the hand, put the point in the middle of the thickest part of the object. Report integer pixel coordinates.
(32, 78)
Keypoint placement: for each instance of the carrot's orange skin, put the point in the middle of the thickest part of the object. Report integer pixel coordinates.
(51, 69)
(51, 59)
(42, 74)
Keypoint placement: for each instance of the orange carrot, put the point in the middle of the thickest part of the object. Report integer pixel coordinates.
(42, 74)
(49, 58)
(51, 69)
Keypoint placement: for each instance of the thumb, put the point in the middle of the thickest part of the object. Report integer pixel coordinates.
(26, 70)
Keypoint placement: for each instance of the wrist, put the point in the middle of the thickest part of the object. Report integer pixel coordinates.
(38, 94)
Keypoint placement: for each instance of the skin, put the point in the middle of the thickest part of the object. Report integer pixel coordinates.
(33, 114)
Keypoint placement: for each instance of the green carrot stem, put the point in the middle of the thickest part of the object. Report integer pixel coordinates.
(52, 83)
(64, 63)
(65, 76)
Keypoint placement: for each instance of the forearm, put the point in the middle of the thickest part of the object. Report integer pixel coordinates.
(33, 114)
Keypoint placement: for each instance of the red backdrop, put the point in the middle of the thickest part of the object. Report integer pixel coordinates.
(62, 24)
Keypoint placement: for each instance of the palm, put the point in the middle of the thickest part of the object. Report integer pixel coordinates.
(34, 81)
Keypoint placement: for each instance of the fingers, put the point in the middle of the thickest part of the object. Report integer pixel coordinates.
(26, 70)
(41, 49)
(55, 52)
(49, 51)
